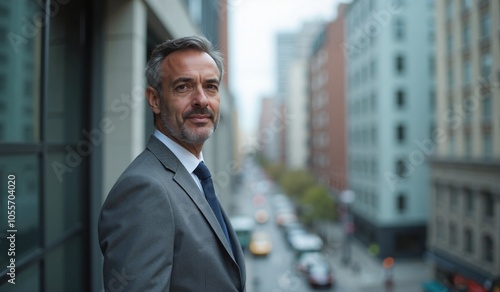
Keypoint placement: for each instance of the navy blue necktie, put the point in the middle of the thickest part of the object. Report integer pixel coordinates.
(207, 184)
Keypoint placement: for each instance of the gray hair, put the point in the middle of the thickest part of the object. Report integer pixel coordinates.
(199, 43)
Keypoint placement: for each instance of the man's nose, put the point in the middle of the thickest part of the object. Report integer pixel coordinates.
(200, 97)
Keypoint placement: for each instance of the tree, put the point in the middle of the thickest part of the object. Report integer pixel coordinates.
(295, 183)
(317, 205)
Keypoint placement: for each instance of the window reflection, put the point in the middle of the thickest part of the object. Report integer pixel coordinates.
(20, 60)
(25, 169)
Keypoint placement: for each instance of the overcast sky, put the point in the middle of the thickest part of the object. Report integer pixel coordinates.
(253, 25)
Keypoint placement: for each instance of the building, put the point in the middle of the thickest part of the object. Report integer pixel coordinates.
(327, 156)
(72, 117)
(389, 50)
(464, 221)
(292, 50)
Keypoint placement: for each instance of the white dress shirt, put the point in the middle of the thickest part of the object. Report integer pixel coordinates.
(188, 159)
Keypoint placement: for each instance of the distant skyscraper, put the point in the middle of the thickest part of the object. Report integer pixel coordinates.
(464, 222)
(389, 50)
(293, 51)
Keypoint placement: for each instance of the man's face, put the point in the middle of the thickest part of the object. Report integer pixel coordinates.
(189, 107)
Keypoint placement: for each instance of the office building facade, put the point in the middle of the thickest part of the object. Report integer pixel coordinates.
(464, 221)
(389, 54)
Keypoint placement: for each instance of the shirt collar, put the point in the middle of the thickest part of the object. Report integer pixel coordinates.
(188, 160)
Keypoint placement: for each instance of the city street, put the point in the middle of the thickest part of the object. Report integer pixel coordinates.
(277, 271)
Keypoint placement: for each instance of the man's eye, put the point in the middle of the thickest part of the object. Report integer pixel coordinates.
(182, 87)
(213, 87)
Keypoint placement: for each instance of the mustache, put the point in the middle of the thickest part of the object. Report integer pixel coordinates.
(199, 111)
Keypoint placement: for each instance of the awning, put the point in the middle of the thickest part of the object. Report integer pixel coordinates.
(456, 265)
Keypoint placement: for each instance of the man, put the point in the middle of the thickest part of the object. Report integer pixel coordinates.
(161, 227)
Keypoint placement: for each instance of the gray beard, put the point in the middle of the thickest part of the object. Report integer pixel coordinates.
(184, 134)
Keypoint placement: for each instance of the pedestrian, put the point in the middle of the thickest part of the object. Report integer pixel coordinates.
(161, 227)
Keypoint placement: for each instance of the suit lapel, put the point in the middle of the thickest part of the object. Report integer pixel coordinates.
(185, 181)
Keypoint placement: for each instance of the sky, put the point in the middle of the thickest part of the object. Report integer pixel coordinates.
(253, 25)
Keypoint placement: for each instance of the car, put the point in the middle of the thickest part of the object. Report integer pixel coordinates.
(307, 259)
(260, 243)
(261, 216)
(306, 242)
(285, 218)
(319, 275)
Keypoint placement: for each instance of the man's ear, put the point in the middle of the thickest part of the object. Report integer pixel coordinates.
(153, 99)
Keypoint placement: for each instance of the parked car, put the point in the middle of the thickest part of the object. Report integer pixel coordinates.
(260, 243)
(307, 259)
(319, 275)
(306, 242)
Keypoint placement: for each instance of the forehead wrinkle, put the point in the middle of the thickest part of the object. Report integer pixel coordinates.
(195, 64)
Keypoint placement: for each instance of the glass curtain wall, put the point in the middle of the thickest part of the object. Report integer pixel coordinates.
(44, 110)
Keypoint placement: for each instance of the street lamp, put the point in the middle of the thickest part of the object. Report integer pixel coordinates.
(347, 197)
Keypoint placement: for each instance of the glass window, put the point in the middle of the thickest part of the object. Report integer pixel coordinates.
(485, 25)
(467, 74)
(18, 48)
(468, 145)
(30, 159)
(487, 110)
(486, 64)
(469, 241)
(487, 145)
(400, 98)
(466, 35)
(28, 280)
(452, 234)
(440, 229)
(400, 133)
(454, 197)
(451, 145)
(469, 201)
(401, 168)
(401, 203)
(63, 272)
(466, 4)
(449, 9)
(25, 168)
(432, 66)
(432, 99)
(489, 204)
(65, 88)
(63, 208)
(488, 249)
(400, 64)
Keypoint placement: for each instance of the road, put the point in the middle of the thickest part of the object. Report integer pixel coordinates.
(275, 272)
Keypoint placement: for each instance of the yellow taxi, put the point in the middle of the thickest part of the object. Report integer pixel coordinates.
(260, 243)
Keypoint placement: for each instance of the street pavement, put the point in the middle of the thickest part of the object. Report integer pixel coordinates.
(407, 274)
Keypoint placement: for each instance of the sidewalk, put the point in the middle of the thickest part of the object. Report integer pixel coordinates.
(408, 275)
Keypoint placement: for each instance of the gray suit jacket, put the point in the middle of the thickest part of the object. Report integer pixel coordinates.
(157, 232)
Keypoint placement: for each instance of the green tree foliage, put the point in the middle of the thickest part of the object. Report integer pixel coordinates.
(295, 183)
(275, 171)
(317, 205)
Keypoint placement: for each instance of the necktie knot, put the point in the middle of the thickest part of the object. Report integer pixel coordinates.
(202, 171)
